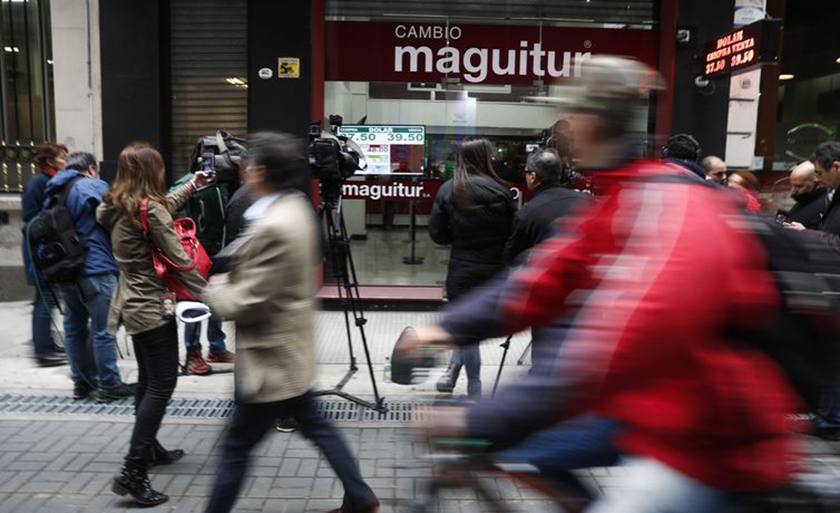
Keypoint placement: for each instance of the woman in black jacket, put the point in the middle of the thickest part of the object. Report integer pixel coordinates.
(473, 212)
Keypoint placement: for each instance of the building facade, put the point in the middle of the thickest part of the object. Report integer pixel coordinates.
(410, 79)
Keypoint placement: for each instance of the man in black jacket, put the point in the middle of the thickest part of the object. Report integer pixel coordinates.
(826, 161)
(535, 222)
(808, 193)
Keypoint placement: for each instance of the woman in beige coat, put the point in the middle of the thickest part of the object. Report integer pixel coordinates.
(142, 305)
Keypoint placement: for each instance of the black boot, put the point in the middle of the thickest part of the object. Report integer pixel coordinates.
(446, 383)
(134, 480)
(158, 455)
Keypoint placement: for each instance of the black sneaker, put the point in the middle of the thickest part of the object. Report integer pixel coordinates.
(286, 424)
(51, 360)
(81, 390)
(106, 395)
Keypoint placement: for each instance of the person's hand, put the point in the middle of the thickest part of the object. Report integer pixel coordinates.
(219, 279)
(202, 179)
(426, 339)
(444, 421)
(794, 226)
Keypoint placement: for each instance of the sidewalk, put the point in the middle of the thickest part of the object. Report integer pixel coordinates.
(19, 372)
(64, 463)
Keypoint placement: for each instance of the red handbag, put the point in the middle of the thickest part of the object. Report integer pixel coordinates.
(166, 269)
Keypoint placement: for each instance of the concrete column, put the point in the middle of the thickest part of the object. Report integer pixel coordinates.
(744, 95)
(77, 76)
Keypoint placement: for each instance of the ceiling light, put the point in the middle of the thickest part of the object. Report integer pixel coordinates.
(838, 60)
(786, 76)
(12, 49)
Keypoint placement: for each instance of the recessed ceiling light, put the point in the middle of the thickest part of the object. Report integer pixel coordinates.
(786, 76)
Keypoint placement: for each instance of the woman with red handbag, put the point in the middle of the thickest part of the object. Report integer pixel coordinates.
(157, 259)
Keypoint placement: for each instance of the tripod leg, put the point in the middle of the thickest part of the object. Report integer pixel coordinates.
(524, 352)
(356, 305)
(506, 345)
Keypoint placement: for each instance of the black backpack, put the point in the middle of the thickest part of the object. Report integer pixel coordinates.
(804, 337)
(56, 249)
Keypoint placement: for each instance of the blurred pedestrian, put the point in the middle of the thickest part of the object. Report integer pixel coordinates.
(270, 294)
(143, 304)
(811, 198)
(473, 212)
(715, 169)
(50, 159)
(87, 298)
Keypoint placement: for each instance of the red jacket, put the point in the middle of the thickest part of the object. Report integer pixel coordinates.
(656, 272)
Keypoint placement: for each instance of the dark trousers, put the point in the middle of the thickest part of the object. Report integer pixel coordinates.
(157, 359)
(249, 425)
(42, 322)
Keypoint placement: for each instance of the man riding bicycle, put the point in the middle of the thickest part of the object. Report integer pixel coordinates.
(655, 274)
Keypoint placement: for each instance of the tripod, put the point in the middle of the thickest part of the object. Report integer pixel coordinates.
(341, 259)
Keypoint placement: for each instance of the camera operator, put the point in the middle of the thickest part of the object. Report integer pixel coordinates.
(546, 175)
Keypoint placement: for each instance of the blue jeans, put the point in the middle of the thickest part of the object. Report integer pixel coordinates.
(215, 335)
(469, 357)
(42, 322)
(89, 299)
(828, 416)
(582, 442)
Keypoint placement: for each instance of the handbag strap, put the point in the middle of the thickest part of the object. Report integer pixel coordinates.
(144, 222)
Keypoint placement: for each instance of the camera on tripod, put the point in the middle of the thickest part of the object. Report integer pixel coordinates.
(333, 158)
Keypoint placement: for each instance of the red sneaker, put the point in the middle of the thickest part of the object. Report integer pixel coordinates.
(226, 357)
(196, 365)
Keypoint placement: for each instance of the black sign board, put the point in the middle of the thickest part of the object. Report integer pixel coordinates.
(743, 49)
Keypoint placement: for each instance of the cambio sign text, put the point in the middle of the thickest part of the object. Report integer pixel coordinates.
(476, 63)
(500, 54)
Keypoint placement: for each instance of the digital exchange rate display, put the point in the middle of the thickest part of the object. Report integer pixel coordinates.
(389, 149)
(742, 49)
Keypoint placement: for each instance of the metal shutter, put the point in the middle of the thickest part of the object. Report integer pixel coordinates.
(208, 66)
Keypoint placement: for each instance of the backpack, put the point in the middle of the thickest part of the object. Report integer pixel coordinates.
(804, 337)
(207, 208)
(56, 249)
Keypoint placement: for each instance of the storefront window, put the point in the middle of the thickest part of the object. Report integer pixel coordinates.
(809, 91)
(450, 77)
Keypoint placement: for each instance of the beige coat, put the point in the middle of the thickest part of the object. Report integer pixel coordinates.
(271, 297)
(138, 299)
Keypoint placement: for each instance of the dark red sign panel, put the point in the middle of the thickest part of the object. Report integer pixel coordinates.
(477, 54)
(742, 49)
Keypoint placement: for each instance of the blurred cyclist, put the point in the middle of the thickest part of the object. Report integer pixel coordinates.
(656, 273)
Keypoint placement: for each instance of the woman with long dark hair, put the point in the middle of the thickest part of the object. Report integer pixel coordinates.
(141, 303)
(473, 212)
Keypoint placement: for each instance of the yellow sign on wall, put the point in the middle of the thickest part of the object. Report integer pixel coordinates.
(288, 67)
